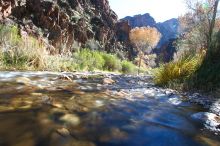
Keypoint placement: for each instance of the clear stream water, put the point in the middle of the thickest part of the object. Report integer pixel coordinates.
(49, 109)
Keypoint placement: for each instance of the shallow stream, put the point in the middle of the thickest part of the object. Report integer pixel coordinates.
(54, 109)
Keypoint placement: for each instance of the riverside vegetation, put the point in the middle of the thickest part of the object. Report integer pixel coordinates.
(197, 71)
(28, 53)
(196, 64)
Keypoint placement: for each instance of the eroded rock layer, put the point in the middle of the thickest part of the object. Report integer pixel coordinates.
(68, 24)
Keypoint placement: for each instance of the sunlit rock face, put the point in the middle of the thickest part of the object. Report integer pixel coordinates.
(6, 8)
(67, 24)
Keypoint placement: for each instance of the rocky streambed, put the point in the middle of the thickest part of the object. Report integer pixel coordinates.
(96, 109)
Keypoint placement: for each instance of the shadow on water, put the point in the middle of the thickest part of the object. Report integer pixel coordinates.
(43, 110)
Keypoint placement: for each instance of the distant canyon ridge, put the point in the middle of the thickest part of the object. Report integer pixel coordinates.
(66, 25)
(168, 29)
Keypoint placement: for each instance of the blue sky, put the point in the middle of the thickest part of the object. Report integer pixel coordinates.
(161, 10)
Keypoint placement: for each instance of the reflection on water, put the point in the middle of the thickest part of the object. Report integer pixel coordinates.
(43, 109)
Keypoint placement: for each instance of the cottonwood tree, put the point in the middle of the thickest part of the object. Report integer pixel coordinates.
(144, 39)
(193, 39)
(197, 26)
(204, 14)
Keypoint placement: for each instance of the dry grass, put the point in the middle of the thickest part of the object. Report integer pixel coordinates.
(22, 53)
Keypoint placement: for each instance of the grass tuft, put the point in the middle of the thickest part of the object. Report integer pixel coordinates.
(176, 73)
(21, 53)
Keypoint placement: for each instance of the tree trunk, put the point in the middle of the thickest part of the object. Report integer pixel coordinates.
(212, 24)
(139, 64)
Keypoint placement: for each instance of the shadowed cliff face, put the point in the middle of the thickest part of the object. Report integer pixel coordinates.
(169, 29)
(141, 20)
(68, 24)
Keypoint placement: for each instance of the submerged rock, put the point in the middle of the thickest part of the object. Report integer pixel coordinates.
(66, 77)
(99, 103)
(23, 80)
(176, 100)
(82, 143)
(150, 92)
(63, 132)
(6, 108)
(114, 134)
(211, 121)
(208, 141)
(37, 94)
(71, 119)
(215, 107)
(121, 94)
(57, 104)
(108, 81)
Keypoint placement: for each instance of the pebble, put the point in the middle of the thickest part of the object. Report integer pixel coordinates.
(78, 92)
(121, 94)
(114, 134)
(175, 101)
(65, 77)
(36, 94)
(150, 92)
(63, 132)
(99, 103)
(57, 104)
(108, 81)
(71, 119)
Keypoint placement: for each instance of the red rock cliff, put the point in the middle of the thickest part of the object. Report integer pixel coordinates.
(68, 24)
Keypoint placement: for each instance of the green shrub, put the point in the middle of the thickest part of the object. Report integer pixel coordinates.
(112, 63)
(128, 67)
(97, 60)
(82, 58)
(89, 60)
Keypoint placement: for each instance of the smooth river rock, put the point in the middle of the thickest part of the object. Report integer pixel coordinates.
(71, 119)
